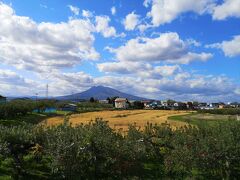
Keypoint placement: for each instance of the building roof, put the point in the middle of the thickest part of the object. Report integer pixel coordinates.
(73, 105)
(120, 100)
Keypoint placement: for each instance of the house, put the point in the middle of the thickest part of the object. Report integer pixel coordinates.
(165, 103)
(234, 104)
(147, 103)
(213, 105)
(121, 103)
(3, 99)
(189, 105)
(221, 105)
(69, 107)
(179, 106)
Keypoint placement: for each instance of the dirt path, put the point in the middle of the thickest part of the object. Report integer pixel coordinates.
(121, 119)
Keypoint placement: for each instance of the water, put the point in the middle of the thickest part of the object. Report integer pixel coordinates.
(48, 110)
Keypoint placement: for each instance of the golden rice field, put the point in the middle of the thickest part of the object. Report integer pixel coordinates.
(120, 120)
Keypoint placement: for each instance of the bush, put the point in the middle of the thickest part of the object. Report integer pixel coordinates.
(95, 151)
(18, 108)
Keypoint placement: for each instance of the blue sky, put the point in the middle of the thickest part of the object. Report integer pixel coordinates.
(180, 49)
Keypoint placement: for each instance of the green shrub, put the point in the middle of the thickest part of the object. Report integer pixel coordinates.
(95, 151)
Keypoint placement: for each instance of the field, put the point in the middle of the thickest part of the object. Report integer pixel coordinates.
(120, 120)
(203, 118)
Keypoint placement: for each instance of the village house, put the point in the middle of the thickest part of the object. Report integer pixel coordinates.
(179, 106)
(234, 104)
(146, 103)
(3, 99)
(121, 103)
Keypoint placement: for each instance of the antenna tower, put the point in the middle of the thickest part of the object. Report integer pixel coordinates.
(47, 91)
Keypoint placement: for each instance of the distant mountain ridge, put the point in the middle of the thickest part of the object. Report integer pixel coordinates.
(100, 93)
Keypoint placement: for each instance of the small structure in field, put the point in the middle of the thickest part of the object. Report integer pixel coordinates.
(121, 103)
(3, 99)
(69, 107)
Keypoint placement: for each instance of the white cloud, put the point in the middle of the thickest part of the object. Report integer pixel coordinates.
(183, 86)
(230, 48)
(123, 67)
(43, 6)
(168, 47)
(147, 2)
(113, 10)
(75, 10)
(131, 21)
(102, 26)
(237, 91)
(193, 42)
(143, 70)
(10, 77)
(43, 46)
(86, 13)
(166, 70)
(164, 11)
(13, 84)
(229, 8)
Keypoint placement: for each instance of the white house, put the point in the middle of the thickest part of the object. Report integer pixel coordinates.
(121, 103)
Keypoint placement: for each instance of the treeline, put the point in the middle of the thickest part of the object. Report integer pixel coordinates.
(226, 111)
(18, 108)
(95, 151)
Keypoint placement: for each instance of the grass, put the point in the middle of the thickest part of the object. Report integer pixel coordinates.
(121, 120)
(202, 118)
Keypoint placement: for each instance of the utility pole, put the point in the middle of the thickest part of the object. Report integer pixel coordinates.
(36, 96)
(47, 91)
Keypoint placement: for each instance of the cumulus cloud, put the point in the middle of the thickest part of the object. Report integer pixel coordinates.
(10, 77)
(168, 47)
(123, 67)
(86, 13)
(237, 91)
(113, 10)
(229, 8)
(102, 26)
(143, 70)
(230, 48)
(183, 86)
(164, 11)
(39, 46)
(11, 82)
(75, 10)
(131, 21)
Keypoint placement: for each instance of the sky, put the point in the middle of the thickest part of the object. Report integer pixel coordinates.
(162, 49)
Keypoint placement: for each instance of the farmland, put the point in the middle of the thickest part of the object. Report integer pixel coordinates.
(205, 119)
(91, 148)
(120, 120)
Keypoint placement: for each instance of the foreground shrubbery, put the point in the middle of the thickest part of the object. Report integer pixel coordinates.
(226, 111)
(95, 151)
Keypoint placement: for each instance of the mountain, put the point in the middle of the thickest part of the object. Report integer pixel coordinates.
(100, 93)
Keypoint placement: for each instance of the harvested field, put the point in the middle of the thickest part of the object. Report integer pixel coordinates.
(121, 119)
